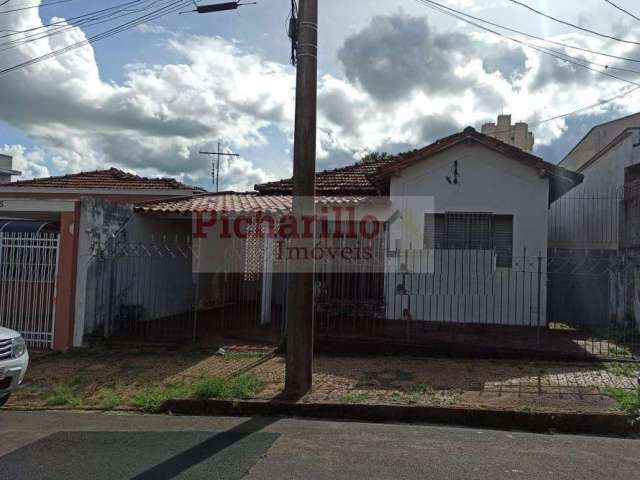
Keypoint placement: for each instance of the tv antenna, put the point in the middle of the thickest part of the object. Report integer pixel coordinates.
(215, 165)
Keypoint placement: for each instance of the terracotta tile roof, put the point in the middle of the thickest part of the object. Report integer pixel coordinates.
(238, 203)
(350, 180)
(373, 178)
(107, 179)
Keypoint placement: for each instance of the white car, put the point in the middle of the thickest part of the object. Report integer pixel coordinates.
(14, 360)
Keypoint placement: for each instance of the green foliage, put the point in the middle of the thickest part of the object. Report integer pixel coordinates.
(629, 401)
(109, 400)
(63, 394)
(422, 389)
(375, 157)
(353, 397)
(151, 399)
(619, 351)
(242, 387)
(234, 356)
(624, 369)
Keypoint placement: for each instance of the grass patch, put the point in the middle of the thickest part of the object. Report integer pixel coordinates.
(619, 351)
(353, 397)
(422, 389)
(623, 369)
(629, 401)
(151, 399)
(234, 356)
(61, 395)
(242, 387)
(108, 399)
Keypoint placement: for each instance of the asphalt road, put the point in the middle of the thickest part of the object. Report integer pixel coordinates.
(48, 445)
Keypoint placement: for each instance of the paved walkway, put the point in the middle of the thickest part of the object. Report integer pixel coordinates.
(47, 445)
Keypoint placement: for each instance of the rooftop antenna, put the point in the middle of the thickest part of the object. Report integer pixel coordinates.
(215, 165)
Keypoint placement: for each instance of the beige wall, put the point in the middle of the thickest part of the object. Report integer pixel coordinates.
(596, 140)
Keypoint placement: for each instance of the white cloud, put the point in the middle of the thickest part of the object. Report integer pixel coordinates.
(31, 164)
(158, 118)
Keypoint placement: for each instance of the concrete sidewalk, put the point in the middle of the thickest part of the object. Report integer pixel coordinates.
(49, 445)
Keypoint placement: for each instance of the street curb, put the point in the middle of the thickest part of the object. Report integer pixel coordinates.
(571, 423)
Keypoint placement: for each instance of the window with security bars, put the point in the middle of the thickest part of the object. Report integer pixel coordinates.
(471, 231)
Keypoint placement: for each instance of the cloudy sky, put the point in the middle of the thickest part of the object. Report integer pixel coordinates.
(394, 75)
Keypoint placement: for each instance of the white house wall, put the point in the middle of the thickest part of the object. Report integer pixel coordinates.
(488, 182)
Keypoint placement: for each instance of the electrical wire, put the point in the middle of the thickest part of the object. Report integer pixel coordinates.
(558, 55)
(107, 15)
(37, 5)
(169, 7)
(573, 25)
(623, 10)
(535, 37)
(625, 92)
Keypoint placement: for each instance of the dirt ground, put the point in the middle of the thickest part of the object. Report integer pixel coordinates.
(111, 378)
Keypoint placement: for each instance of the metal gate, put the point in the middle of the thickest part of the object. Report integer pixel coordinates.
(28, 268)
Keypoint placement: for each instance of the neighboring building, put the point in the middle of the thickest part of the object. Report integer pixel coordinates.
(589, 218)
(596, 140)
(517, 135)
(6, 169)
(85, 209)
(593, 231)
(465, 238)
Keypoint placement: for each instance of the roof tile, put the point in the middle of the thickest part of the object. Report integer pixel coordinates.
(112, 178)
(239, 203)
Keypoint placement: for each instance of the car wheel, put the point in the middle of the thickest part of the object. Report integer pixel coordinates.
(4, 398)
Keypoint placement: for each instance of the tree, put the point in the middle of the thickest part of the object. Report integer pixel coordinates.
(375, 157)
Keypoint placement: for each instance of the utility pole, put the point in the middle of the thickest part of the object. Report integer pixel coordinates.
(300, 299)
(215, 167)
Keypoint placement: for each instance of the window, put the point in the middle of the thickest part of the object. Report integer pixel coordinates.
(471, 231)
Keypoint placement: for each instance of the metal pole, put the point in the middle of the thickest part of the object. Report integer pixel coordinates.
(218, 170)
(300, 300)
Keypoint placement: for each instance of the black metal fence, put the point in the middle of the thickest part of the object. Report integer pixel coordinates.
(587, 219)
(143, 291)
(579, 304)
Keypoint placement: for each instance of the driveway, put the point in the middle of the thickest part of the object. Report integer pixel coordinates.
(58, 445)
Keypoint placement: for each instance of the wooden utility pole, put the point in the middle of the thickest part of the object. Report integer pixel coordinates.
(300, 307)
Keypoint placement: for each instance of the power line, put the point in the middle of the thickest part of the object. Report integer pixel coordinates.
(37, 5)
(623, 10)
(536, 37)
(449, 11)
(98, 17)
(169, 7)
(554, 53)
(564, 22)
(73, 19)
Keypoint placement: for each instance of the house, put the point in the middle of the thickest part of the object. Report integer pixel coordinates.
(593, 231)
(589, 218)
(455, 232)
(596, 140)
(84, 209)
